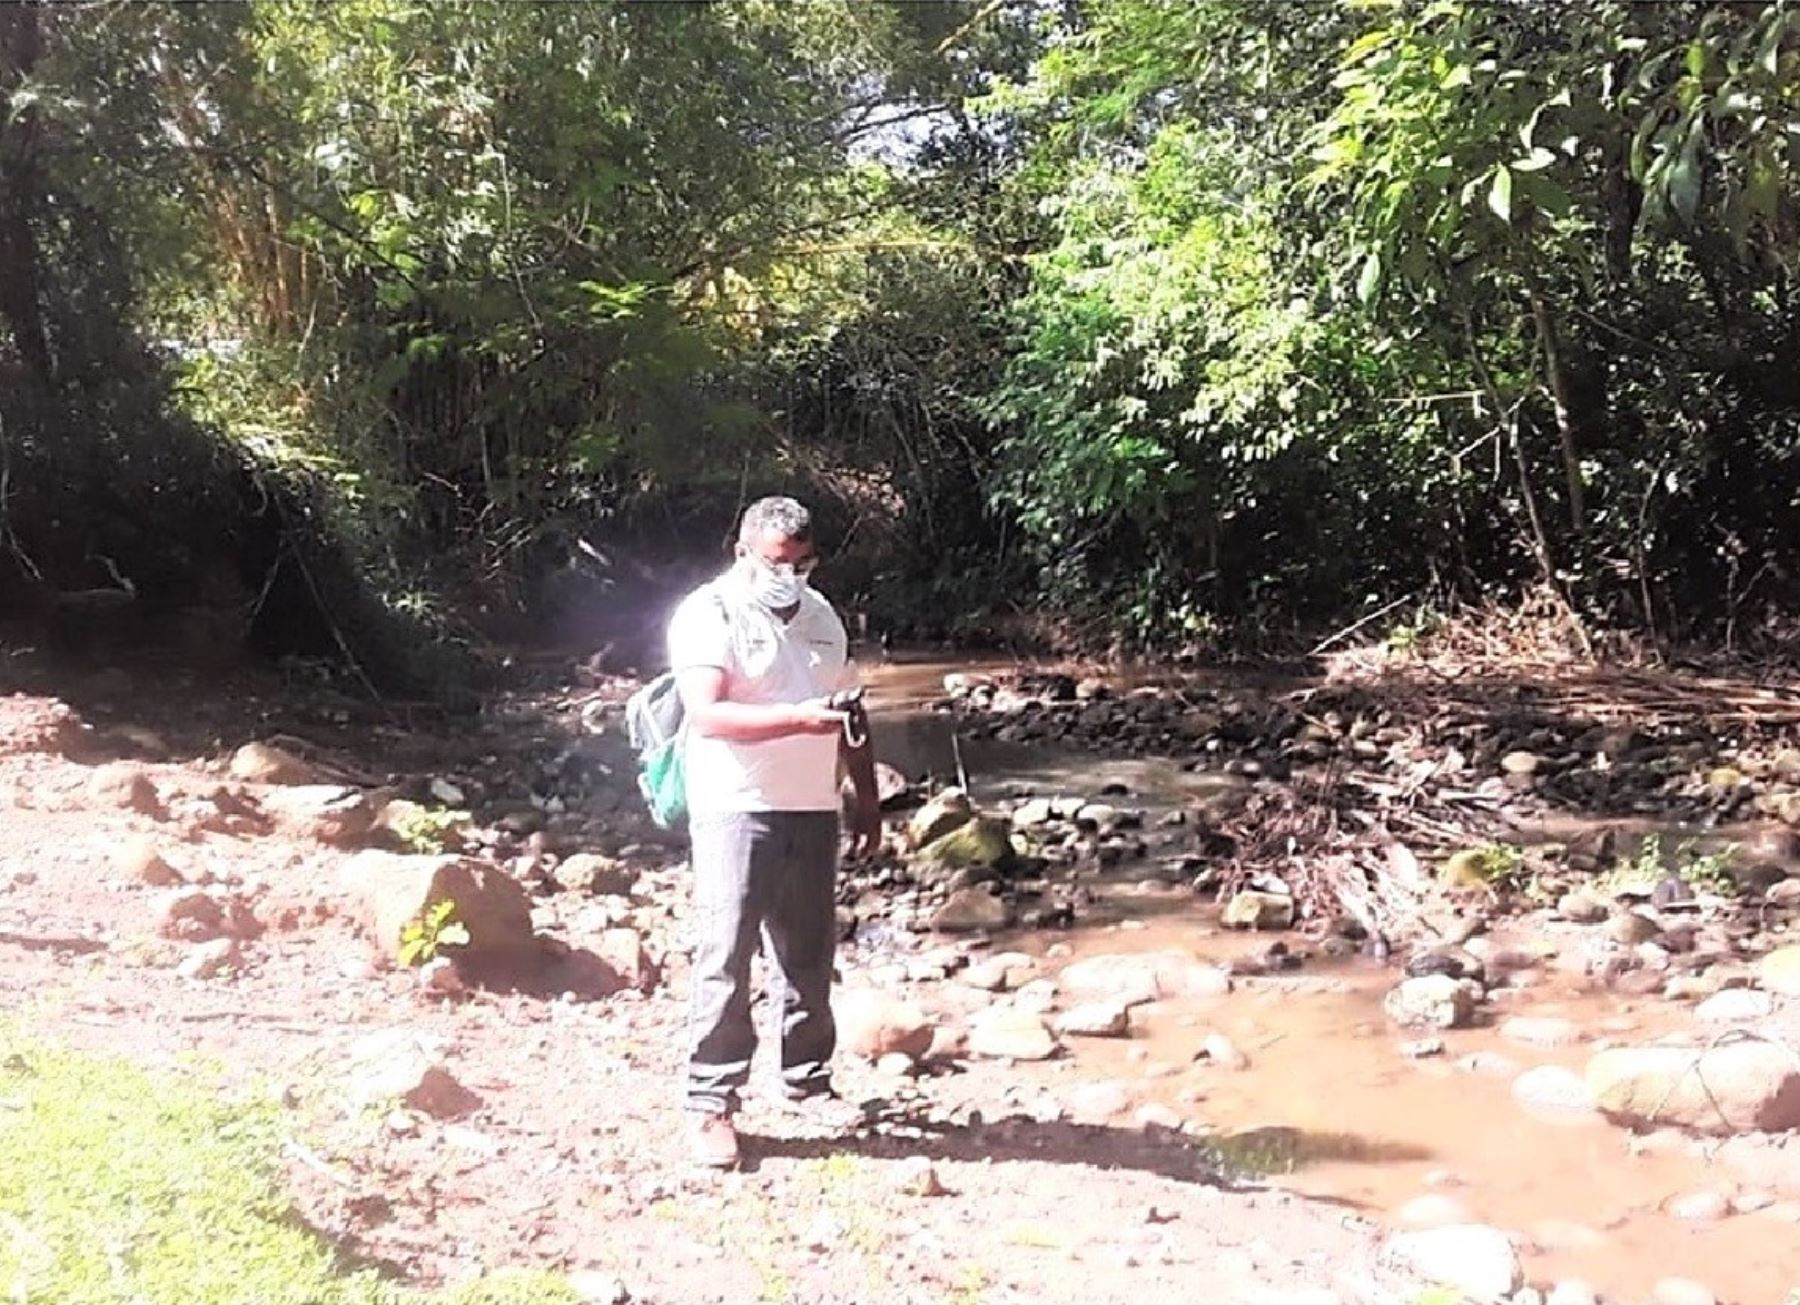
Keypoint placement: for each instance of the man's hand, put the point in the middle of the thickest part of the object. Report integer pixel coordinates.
(818, 716)
(865, 827)
(713, 715)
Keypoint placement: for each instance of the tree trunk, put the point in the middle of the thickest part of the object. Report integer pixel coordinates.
(21, 195)
(1559, 399)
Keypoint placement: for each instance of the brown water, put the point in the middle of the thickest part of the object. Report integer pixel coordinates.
(1330, 1106)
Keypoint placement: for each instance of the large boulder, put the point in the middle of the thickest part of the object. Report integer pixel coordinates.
(982, 844)
(1133, 979)
(1736, 1087)
(389, 891)
(946, 811)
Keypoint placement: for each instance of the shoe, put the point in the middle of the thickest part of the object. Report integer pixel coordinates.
(712, 1141)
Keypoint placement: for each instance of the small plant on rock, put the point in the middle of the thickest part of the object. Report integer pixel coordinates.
(1641, 873)
(431, 830)
(1497, 867)
(435, 929)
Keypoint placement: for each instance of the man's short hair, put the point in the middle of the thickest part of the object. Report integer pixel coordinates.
(778, 515)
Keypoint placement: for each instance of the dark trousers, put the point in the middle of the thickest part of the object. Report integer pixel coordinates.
(768, 878)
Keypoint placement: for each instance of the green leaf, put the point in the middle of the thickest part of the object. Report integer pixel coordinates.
(1500, 194)
(1369, 283)
(1458, 77)
(1762, 189)
(1545, 195)
(1696, 59)
(1768, 58)
(1683, 184)
(1539, 159)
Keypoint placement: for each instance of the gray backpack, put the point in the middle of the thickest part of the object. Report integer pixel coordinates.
(656, 726)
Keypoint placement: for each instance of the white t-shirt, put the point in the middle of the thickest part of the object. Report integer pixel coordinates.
(765, 660)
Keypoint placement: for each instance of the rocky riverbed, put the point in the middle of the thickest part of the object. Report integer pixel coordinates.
(1286, 1019)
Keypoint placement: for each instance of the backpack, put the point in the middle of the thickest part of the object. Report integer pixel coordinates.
(656, 725)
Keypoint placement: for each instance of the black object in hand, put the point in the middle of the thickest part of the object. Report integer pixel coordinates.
(846, 700)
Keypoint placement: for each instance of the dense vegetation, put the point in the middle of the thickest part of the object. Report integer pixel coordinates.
(1179, 324)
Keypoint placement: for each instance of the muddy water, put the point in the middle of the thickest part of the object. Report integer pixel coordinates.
(1332, 1108)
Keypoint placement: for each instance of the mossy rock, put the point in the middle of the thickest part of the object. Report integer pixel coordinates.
(984, 843)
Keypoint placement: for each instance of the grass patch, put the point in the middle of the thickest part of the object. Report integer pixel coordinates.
(123, 1185)
(1642, 873)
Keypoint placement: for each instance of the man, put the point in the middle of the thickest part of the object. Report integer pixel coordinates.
(757, 653)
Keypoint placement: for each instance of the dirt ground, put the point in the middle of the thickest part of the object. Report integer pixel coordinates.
(562, 1146)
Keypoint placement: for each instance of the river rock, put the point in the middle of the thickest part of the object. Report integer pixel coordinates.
(1629, 928)
(1095, 1019)
(269, 763)
(335, 814)
(630, 964)
(1572, 1291)
(1540, 1031)
(1554, 1095)
(1222, 1051)
(190, 914)
(405, 1066)
(589, 872)
(1735, 1006)
(1134, 979)
(1520, 763)
(948, 810)
(1581, 907)
(207, 959)
(1011, 1034)
(1096, 1103)
(1098, 818)
(1764, 1161)
(917, 1176)
(873, 1024)
(1475, 1259)
(1682, 1291)
(1699, 1207)
(390, 890)
(1031, 814)
(969, 910)
(138, 862)
(982, 844)
(1734, 1088)
(1779, 971)
(124, 784)
(1254, 910)
(1436, 1001)
(999, 972)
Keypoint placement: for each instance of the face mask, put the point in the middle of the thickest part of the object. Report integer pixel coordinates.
(774, 586)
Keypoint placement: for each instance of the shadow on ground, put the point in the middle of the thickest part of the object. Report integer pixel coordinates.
(1226, 1161)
